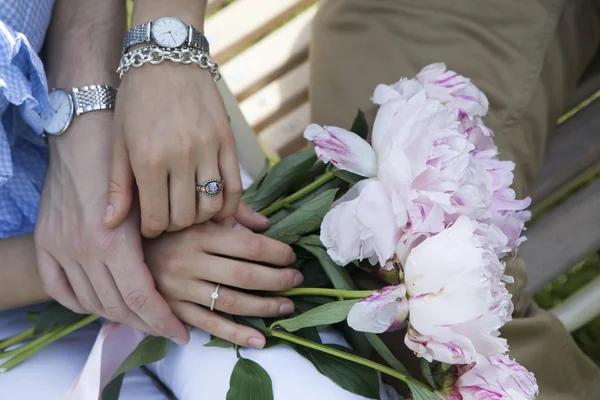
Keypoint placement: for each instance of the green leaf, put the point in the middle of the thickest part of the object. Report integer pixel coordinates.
(310, 240)
(360, 125)
(249, 381)
(304, 220)
(339, 277)
(253, 322)
(218, 342)
(150, 350)
(256, 184)
(347, 176)
(305, 304)
(327, 314)
(353, 377)
(426, 371)
(335, 183)
(310, 333)
(54, 315)
(358, 341)
(281, 177)
(386, 354)
(420, 391)
(314, 275)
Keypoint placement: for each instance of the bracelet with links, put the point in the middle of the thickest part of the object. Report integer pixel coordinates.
(157, 55)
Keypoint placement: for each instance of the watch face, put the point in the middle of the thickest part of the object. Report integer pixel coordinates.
(169, 32)
(57, 117)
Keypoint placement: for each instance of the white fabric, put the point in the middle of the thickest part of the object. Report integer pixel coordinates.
(192, 372)
(48, 374)
(195, 372)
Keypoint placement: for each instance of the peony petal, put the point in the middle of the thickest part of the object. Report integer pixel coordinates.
(382, 311)
(344, 149)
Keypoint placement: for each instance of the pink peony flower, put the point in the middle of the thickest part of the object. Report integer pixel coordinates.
(382, 311)
(492, 378)
(361, 225)
(448, 87)
(457, 300)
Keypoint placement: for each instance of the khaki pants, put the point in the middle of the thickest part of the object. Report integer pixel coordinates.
(527, 56)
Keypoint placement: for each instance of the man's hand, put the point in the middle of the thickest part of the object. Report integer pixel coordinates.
(188, 265)
(171, 132)
(84, 265)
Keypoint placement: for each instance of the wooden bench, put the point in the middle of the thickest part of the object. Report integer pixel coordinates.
(269, 78)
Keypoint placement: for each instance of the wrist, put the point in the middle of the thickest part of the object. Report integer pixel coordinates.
(191, 12)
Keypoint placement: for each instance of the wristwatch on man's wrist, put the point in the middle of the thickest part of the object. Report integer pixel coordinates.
(167, 32)
(62, 105)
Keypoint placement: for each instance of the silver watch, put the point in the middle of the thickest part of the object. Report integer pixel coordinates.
(62, 105)
(167, 32)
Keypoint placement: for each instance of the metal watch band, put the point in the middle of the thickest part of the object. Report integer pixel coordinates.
(136, 35)
(143, 34)
(94, 97)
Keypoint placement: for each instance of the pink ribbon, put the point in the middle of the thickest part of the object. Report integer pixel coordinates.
(115, 342)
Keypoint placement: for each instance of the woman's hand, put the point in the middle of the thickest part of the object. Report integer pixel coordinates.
(188, 265)
(171, 132)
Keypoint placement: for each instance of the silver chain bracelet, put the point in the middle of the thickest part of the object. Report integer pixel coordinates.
(156, 55)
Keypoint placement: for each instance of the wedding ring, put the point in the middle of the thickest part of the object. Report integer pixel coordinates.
(214, 296)
(211, 187)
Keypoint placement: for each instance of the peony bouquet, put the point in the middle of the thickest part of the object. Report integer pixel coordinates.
(426, 208)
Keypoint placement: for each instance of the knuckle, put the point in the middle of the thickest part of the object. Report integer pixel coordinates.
(210, 325)
(228, 303)
(136, 300)
(253, 246)
(215, 205)
(243, 276)
(114, 188)
(115, 313)
(286, 280)
(154, 224)
(270, 308)
(181, 221)
(235, 188)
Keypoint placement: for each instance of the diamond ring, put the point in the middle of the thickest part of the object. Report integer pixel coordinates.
(214, 296)
(211, 187)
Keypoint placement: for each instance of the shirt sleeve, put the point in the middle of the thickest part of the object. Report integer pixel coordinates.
(23, 155)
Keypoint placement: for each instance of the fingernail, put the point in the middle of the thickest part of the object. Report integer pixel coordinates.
(263, 217)
(179, 340)
(286, 308)
(108, 213)
(294, 257)
(298, 279)
(188, 327)
(256, 343)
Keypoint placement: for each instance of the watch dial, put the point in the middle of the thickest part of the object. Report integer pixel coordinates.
(56, 118)
(169, 32)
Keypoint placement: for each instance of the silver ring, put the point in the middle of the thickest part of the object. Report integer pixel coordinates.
(214, 296)
(211, 187)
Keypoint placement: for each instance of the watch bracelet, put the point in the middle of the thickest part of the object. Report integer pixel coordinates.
(157, 55)
(93, 97)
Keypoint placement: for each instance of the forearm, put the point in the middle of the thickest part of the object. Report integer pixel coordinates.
(84, 41)
(190, 11)
(20, 284)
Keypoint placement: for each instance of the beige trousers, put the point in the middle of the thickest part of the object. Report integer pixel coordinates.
(527, 56)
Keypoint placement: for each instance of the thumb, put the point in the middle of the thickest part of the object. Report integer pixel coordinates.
(251, 219)
(120, 187)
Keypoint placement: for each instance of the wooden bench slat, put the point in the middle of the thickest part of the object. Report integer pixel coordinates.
(244, 21)
(562, 238)
(284, 136)
(574, 147)
(271, 56)
(278, 97)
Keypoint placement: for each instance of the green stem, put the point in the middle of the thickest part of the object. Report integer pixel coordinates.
(320, 181)
(346, 356)
(343, 294)
(48, 338)
(16, 339)
(27, 346)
